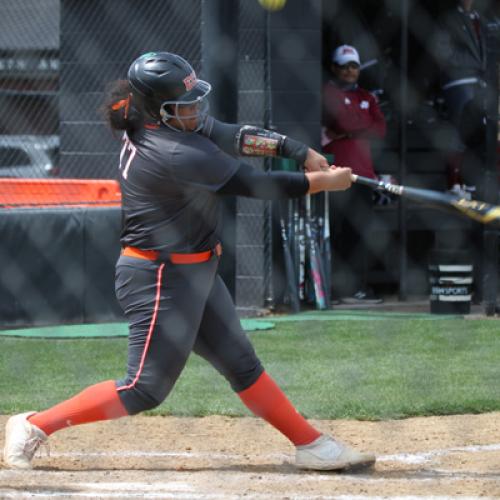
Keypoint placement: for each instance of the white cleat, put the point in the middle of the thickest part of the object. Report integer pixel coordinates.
(327, 454)
(22, 439)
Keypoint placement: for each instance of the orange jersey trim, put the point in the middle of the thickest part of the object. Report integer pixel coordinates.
(152, 325)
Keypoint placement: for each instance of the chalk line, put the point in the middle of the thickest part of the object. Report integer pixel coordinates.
(406, 458)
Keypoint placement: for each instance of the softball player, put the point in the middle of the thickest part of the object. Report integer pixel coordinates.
(172, 178)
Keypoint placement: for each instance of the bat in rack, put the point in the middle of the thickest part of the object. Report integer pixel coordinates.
(479, 211)
(325, 244)
(315, 263)
(291, 281)
(300, 237)
(317, 227)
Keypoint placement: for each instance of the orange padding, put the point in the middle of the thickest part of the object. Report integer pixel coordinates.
(50, 192)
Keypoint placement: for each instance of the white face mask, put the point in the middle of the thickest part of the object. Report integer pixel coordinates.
(170, 110)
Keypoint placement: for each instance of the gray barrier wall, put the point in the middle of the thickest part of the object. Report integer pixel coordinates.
(58, 266)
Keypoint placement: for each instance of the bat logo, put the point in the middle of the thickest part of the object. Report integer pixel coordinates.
(478, 210)
(391, 188)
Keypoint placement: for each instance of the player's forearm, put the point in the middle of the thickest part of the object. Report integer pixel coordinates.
(222, 134)
(255, 141)
(294, 150)
(254, 183)
(248, 140)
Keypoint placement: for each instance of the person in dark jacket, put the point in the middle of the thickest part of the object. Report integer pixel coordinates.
(173, 174)
(460, 49)
(351, 119)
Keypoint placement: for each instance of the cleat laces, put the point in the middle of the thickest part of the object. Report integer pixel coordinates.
(33, 444)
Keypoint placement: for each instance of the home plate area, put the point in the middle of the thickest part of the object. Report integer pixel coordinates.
(214, 457)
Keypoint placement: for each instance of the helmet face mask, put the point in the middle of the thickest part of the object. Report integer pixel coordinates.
(169, 110)
(166, 82)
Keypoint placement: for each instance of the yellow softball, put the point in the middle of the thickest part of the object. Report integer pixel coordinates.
(272, 5)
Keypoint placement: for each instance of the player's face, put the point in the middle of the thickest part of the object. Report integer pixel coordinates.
(347, 73)
(186, 117)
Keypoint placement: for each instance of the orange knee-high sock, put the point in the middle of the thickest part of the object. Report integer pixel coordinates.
(266, 400)
(97, 402)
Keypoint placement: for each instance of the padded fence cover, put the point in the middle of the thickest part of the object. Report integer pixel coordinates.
(58, 266)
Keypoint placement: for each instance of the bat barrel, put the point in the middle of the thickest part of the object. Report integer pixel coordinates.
(479, 211)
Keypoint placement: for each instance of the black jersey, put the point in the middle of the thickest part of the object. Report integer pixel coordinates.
(169, 181)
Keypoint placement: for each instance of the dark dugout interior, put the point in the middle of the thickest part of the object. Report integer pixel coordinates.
(399, 65)
(376, 30)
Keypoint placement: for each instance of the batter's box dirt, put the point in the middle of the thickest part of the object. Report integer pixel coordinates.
(230, 458)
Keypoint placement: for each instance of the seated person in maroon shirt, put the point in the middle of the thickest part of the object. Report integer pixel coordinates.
(351, 119)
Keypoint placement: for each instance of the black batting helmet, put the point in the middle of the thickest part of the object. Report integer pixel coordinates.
(166, 81)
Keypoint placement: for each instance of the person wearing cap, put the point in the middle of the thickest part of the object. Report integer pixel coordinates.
(351, 120)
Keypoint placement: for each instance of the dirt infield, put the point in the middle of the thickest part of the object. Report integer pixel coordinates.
(229, 458)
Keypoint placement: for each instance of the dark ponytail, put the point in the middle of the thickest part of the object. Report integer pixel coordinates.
(122, 110)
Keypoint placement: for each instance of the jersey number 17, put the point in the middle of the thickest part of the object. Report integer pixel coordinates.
(127, 154)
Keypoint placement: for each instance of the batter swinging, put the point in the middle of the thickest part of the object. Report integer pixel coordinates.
(174, 168)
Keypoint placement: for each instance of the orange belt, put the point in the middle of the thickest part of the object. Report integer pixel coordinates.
(175, 258)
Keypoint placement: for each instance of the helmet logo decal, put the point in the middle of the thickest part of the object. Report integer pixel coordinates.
(190, 81)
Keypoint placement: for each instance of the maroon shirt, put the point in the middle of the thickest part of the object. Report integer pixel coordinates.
(355, 114)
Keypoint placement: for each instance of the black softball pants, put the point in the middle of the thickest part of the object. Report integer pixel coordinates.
(173, 309)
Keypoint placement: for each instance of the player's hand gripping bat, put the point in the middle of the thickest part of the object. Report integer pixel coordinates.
(479, 211)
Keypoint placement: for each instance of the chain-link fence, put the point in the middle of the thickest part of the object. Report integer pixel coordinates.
(57, 56)
(420, 58)
(56, 151)
(29, 84)
(255, 233)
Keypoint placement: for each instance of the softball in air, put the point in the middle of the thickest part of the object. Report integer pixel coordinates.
(272, 5)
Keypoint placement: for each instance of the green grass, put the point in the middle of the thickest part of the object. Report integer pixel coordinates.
(329, 369)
